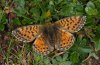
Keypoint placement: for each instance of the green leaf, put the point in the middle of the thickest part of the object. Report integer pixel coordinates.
(36, 1)
(59, 58)
(1, 14)
(17, 21)
(46, 61)
(2, 27)
(66, 10)
(97, 45)
(20, 9)
(65, 56)
(96, 39)
(90, 4)
(35, 12)
(74, 57)
(3, 20)
(66, 63)
(51, 3)
(85, 50)
(58, 1)
(90, 9)
(54, 61)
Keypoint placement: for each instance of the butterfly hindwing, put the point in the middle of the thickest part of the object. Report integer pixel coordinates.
(26, 33)
(41, 45)
(72, 24)
(66, 40)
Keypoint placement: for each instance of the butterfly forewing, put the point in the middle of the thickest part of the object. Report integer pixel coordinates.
(26, 33)
(72, 24)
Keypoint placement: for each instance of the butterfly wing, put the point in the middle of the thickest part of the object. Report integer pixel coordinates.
(72, 24)
(66, 40)
(41, 45)
(26, 33)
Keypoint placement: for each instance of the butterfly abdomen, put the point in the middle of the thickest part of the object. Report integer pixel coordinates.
(50, 32)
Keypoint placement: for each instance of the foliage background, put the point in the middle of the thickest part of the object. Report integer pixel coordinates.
(16, 13)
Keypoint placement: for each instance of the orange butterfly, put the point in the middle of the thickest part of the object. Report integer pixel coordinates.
(57, 36)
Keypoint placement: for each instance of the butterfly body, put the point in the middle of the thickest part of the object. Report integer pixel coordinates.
(57, 36)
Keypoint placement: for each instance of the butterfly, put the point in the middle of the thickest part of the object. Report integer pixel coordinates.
(56, 36)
